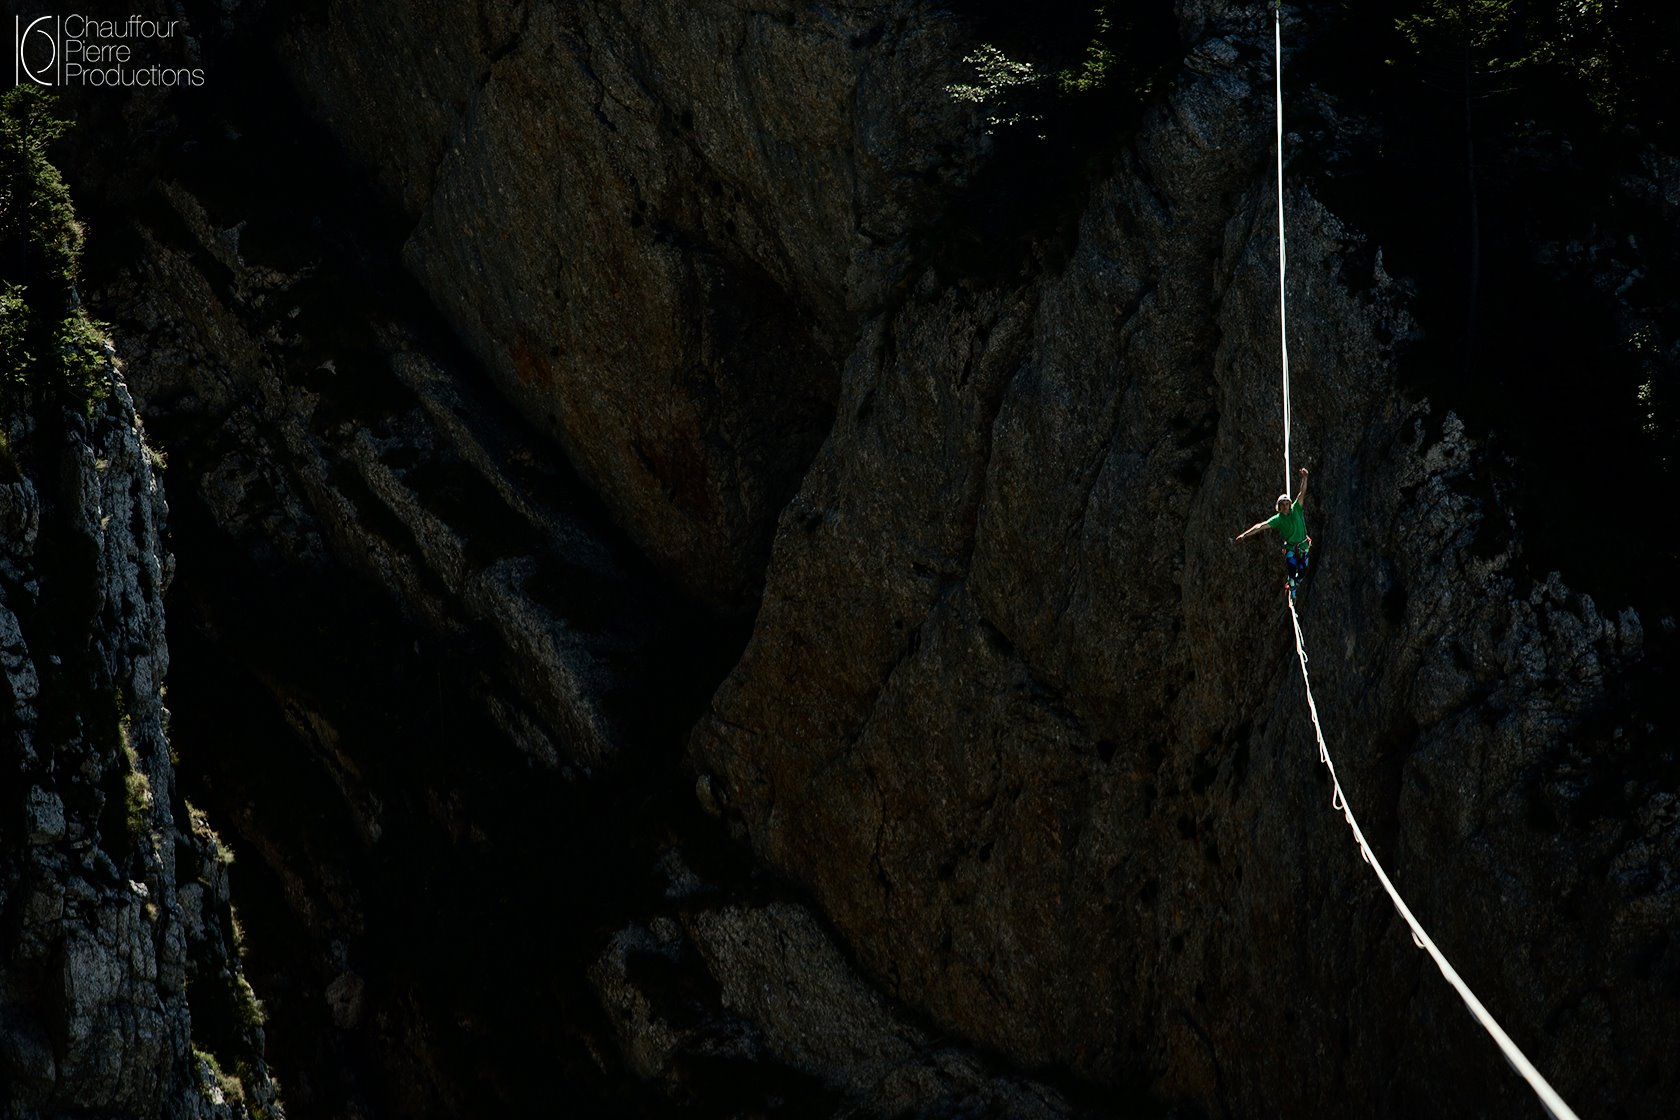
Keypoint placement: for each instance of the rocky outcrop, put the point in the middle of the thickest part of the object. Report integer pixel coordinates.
(446, 626)
(467, 680)
(504, 642)
(122, 990)
(725, 995)
(745, 178)
(326, 438)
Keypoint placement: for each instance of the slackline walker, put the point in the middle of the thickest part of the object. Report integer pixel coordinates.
(1289, 520)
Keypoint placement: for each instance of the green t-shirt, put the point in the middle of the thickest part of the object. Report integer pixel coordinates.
(1293, 525)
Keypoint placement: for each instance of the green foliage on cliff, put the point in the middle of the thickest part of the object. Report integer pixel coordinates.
(1121, 61)
(137, 788)
(1620, 57)
(998, 81)
(1102, 62)
(1059, 88)
(217, 1085)
(46, 340)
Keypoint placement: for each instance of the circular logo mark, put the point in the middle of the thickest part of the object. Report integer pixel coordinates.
(38, 52)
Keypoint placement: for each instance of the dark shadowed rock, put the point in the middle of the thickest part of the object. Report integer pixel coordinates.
(444, 622)
(655, 224)
(713, 987)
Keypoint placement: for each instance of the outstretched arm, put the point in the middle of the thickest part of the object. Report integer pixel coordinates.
(1301, 496)
(1251, 530)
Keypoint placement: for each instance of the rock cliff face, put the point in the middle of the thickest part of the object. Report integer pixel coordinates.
(1015, 760)
(448, 627)
(121, 990)
(1038, 742)
(746, 178)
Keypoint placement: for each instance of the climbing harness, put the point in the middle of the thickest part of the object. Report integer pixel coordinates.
(1297, 554)
(1338, 798)
(1296, 558)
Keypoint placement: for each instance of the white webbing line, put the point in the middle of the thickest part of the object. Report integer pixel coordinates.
(1422, 940)
(1283, 318)
(1338, 799)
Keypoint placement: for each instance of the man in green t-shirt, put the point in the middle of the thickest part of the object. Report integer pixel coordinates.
(1292, 523)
